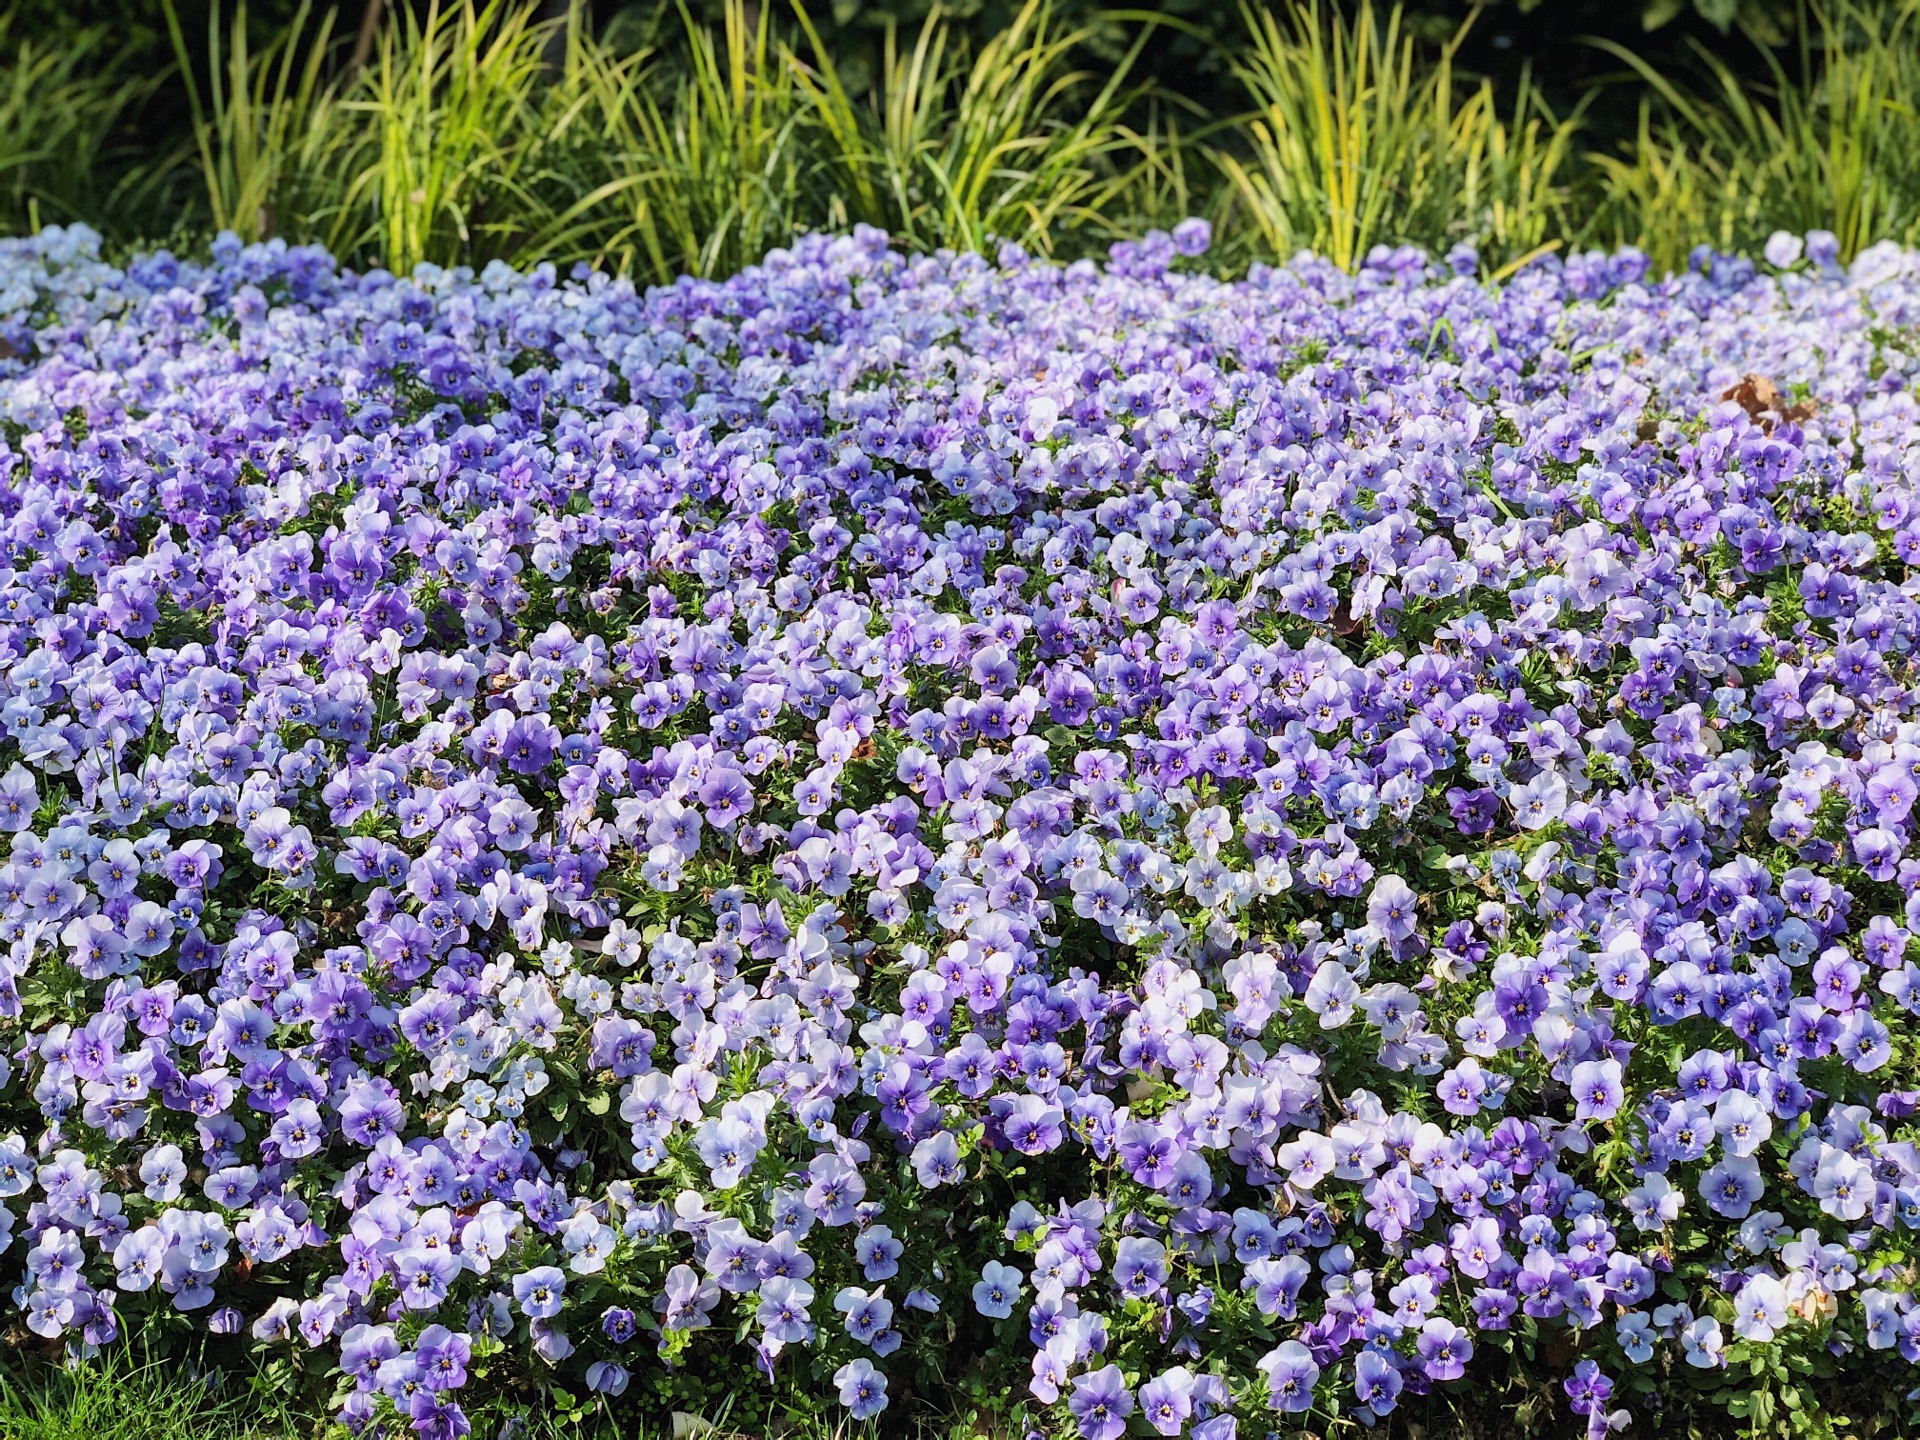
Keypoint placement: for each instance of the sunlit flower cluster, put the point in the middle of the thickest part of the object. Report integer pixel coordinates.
(1210, 848)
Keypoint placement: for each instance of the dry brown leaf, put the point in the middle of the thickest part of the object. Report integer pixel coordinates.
(1762, 400)
(1755, 394)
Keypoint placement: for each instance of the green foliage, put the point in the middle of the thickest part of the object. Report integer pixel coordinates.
(482, 131)
(1011, 143)
(1839, 150)
(448, 136)
(119, 1396)
(682, 163)
(1355, 141)
(715, 130)
(62, 99)
(122, 1395)
(1766, 17)
(420, 155)
(260, 129)
(693, 137)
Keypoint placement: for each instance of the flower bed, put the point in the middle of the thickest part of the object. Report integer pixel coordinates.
(1183, 849)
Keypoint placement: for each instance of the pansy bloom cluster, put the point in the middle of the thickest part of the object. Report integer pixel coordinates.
(1219, 852)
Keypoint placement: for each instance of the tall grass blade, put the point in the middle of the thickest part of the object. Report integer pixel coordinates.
(1835, 146)
(61, 101)
(1357, 139)
(684, 163)
(1014, 142)
(264, 127)
(450, 136)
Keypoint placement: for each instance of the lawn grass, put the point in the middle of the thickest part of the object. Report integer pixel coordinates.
(122, 1395)
(123, 1398)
